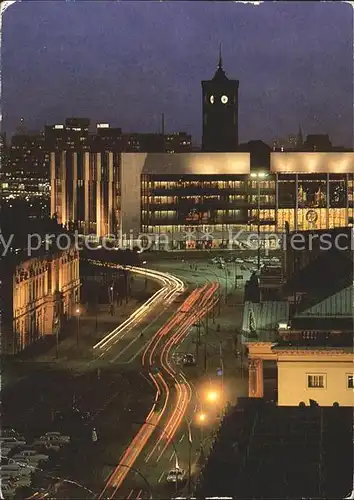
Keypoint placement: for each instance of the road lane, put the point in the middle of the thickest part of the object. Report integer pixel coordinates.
(168, 418)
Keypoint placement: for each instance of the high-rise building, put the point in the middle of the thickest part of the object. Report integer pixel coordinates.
(25, 173)
(74, 135)
(106, 138)
(85, 191)
(220, 112)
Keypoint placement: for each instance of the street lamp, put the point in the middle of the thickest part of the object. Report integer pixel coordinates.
(212, 396)
(144, 263)
(201, 417)
(78, 325)
(258, 176)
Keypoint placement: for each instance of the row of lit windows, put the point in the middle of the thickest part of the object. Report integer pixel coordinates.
(336, 218)
(174, 228)
(189, 184)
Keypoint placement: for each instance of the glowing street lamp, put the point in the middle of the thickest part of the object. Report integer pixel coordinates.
(201, 417)
(212, 396)
(78, 311)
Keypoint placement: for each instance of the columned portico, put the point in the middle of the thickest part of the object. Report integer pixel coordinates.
(255, 380)
(257, 352)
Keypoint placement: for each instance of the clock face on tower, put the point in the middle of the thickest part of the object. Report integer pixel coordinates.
(212, 99)
(224, 99)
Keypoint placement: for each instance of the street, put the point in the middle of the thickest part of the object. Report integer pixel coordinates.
(141, 402)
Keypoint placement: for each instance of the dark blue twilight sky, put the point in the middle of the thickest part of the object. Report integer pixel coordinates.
(127, 62)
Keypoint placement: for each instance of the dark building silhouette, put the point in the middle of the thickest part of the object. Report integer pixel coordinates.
(260, 154)
(317, 142)
(106, 138)
(220, 112)
(73, 135)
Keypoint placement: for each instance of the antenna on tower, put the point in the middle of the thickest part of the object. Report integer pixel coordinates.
(220, 57)
(163, 124)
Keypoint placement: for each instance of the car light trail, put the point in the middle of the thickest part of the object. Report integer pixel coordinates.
(172, 287)
(198, 303)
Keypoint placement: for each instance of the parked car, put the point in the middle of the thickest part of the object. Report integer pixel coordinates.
(17, 480)
(8, 488)
(5, 450)
(33, 456)
(47, 445)
(175, 475)
(189, 360)
(11, 442)
(57, 436)
(16, 469)
(7, 432)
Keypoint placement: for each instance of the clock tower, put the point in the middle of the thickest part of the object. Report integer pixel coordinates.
(220, 112)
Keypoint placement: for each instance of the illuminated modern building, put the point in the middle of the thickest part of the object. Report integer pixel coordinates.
(218, 192)
(171, 194)
(204, 193)
(85, 191)
(38, 294)
(313, 190)
(220, 112)
(25, 171)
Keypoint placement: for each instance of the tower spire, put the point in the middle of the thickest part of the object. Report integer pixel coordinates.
(300, 140)
(220, 57)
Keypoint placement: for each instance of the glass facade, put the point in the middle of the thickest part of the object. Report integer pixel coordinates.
(314, 201)
(172, 203)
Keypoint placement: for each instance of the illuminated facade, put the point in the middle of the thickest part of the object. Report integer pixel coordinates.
(25, 168)
(324, 375)
(314, 190)
(39, 293)
(218, 193)
(85, 191)
(204, 193)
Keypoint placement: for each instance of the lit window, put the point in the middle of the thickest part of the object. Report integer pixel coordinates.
(316, 381)
(350, 381)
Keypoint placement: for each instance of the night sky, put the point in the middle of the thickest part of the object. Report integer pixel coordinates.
(126, 63)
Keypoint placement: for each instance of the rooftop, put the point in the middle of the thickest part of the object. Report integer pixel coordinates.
(319, 285)
(265, 451)
(260, 320)
(191, 163)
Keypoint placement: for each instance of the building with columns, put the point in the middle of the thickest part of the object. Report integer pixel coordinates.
(38, 294)
(309, 336)
(85, 191)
